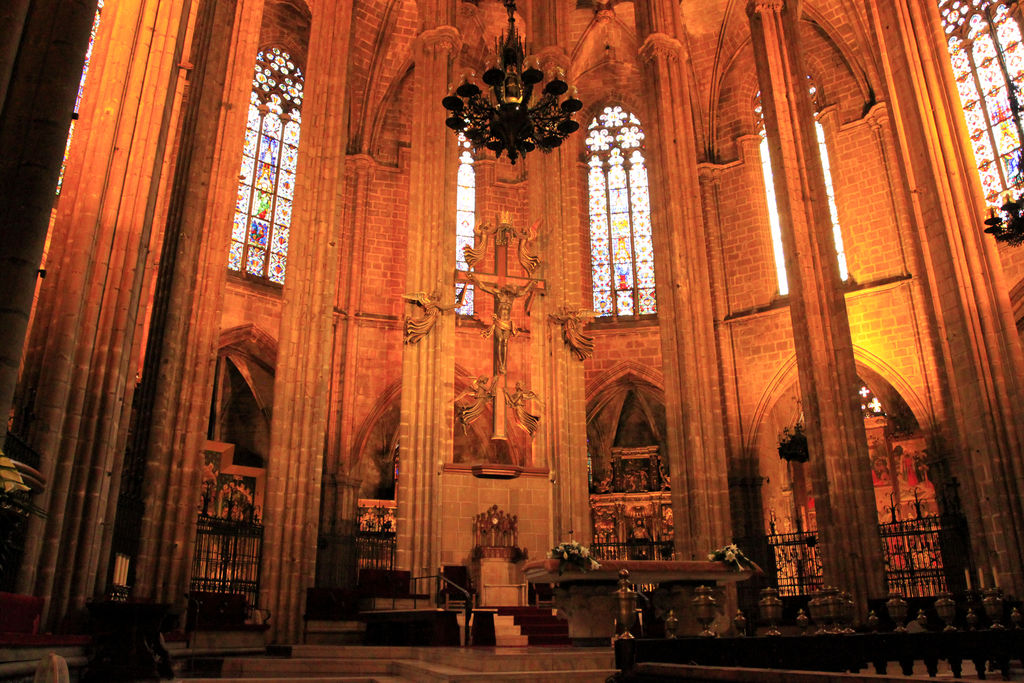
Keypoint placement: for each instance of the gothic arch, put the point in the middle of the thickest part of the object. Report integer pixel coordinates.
(620, 44)
(253, 341)
(286, 24)
(385, 401)
(869, 364)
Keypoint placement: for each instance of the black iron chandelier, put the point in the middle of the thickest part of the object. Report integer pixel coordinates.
(1009, 226)
(507, 122)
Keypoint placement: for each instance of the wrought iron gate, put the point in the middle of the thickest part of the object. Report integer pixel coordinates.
(227, 557)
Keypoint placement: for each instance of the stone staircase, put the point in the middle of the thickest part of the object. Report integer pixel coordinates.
(348, 664)
(538, 625)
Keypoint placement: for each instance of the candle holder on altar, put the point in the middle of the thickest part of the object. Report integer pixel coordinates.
(671, 624)
(848, 609)
(627, 607)
(816, 610)
(971, 619)
(770, 607)
(739, 622)
(1016, 618)
(945, 607)
(833, 609)
(802, 621)
(872, 621)
(897, 608)
(705, 605)
(993, 605)
(922, 619)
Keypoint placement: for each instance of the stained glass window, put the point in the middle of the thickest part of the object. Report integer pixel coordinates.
(984, 41)
(773, 211)
(621, 247)
(263, 212)
(465, 217)
(81, 84)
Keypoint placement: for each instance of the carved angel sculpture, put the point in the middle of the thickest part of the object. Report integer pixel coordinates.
(527, 259)
(416, 329)
(572, 322)
(481, 234)
(517, 402)
(480, 394)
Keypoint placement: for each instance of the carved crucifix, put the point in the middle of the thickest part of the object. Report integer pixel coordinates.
(505, 289)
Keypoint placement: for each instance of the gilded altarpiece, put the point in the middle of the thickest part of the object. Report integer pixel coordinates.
(631, 507)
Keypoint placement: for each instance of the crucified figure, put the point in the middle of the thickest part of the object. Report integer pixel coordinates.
(502, 326)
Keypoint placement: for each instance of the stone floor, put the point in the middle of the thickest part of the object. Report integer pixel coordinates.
(330, 664)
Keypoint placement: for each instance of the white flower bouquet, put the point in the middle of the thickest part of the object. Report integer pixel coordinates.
(731, 554)
(572, 553)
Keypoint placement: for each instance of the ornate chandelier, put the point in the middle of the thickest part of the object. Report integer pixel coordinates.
(1009, 227)
(507, 121)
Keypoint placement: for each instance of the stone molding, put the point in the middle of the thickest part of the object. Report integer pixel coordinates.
(442, 39)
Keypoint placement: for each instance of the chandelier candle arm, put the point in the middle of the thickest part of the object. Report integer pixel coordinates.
(504, 120)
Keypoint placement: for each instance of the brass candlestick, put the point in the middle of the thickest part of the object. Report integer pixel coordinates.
(671, 624)
(627, 607)
(945, 607)
(704, 605)
(1016, 617)
(802, 621)
(897, 608)
(740, 623)
(770, 607)
(993, 605)
(872, 621)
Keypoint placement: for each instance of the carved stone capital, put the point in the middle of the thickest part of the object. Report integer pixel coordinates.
(554, 56)
(764, 6)
(660, 46)
(445, 40)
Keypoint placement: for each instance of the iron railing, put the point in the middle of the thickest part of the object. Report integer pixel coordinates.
(375, 550)
(632, 550)
(797, 566)
(227, 557)
(924, 556)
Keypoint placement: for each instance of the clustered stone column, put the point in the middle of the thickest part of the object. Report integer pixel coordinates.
(79, 373)
(40, 67)
(839, 466)
(693, 407)
(558, 376)
(978, 348)
(177, 382)
(299, 422)
(428, 367)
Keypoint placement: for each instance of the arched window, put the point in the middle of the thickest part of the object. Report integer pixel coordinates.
(81, 85)
(773, 211)
(621, 249)
(263, 214)
(984, 41)
(465, 217)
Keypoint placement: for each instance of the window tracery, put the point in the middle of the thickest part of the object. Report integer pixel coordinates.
(621, 246)
(984, 42)
(81, 85)
(465, 217)
(769, 186)
(263, 212)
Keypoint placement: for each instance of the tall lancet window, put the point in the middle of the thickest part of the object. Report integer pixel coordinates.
(621, 249)
(465, 217)
(984, 41)
(773, 211)
(263, 214)
(81, 86)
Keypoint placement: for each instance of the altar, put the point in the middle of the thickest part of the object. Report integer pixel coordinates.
(587, 600)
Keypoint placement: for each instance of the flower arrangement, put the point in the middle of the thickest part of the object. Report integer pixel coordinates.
(572, 553)
(731, 554)
(793, 443)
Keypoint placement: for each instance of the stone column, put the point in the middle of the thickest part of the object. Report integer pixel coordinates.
(299, 425)
(975, 339)
(173, 402)
(79, 371)
(558, 378)
(39, 94)
(693, 403)
(839, 466)
(428, 367)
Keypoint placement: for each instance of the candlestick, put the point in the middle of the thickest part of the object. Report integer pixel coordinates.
(967, 578)
(981, 580)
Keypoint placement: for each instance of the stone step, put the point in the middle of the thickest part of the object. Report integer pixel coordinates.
(320, 632)
(376, 604)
